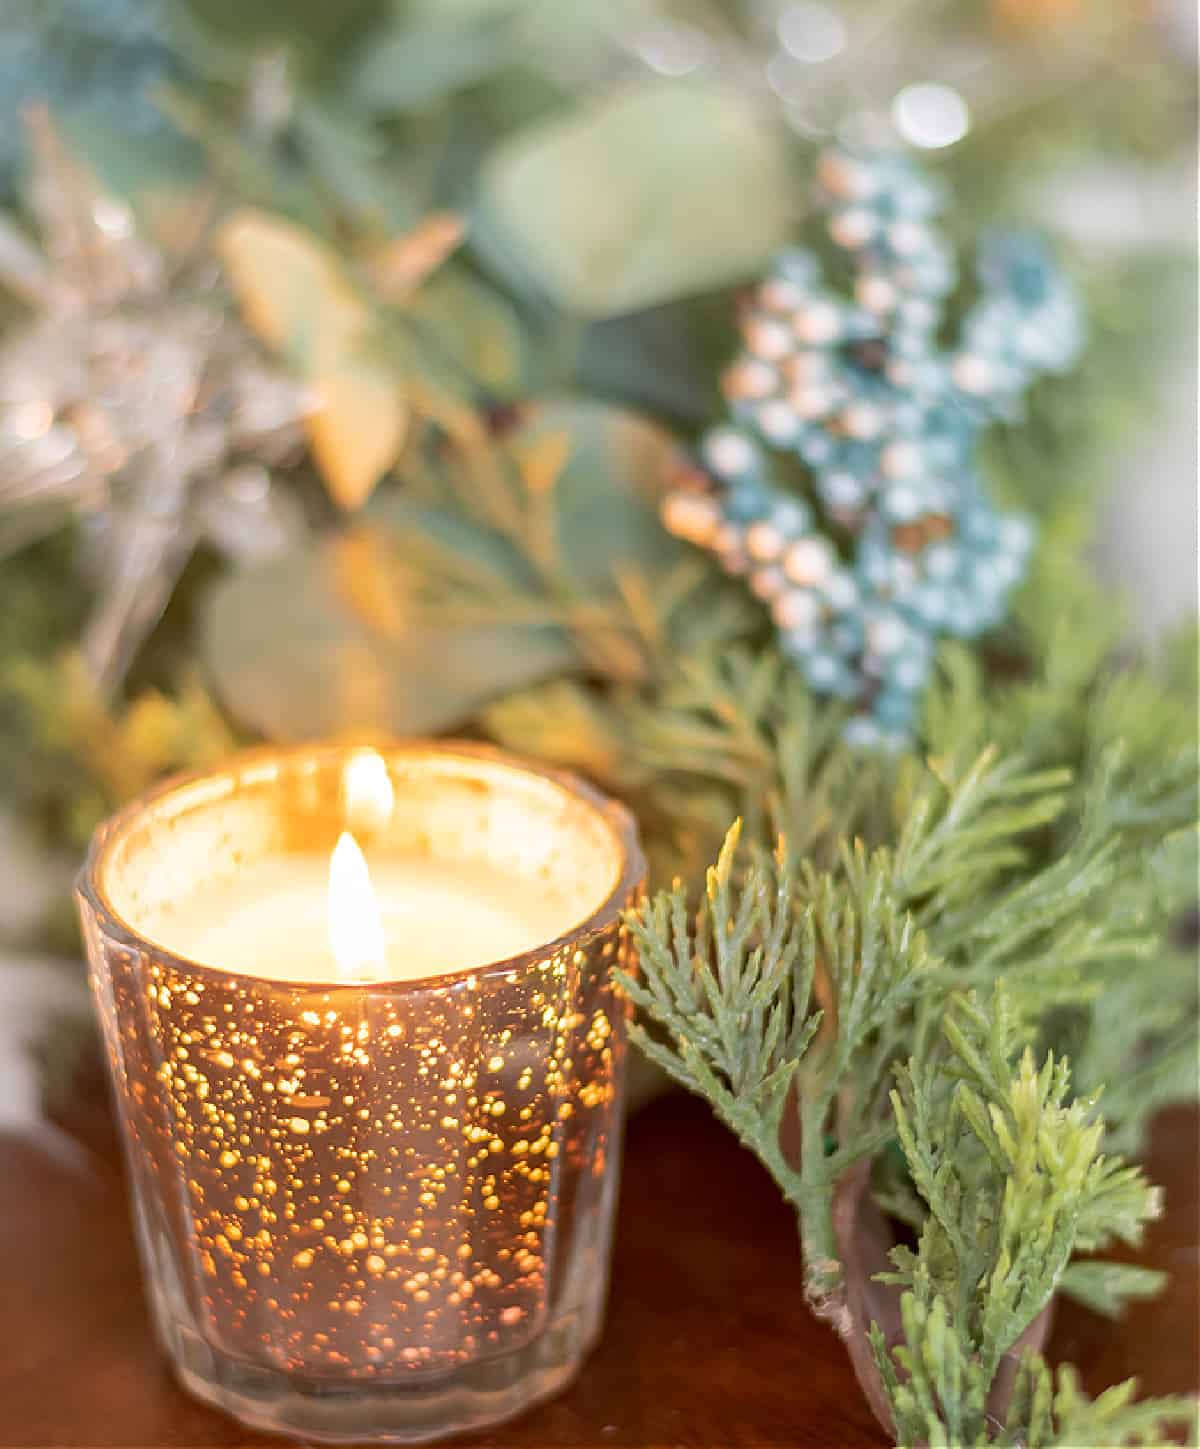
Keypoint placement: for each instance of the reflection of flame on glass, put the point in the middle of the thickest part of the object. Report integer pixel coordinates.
(367, 795)
(355, 925)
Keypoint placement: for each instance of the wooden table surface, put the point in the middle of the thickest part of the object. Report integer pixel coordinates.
(708, 1342)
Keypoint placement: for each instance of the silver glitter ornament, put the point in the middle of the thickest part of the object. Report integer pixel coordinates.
(135, 400)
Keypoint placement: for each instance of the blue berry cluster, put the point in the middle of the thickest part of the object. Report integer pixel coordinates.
(882, 536)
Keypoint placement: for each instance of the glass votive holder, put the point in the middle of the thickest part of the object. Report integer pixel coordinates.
(373, 1140)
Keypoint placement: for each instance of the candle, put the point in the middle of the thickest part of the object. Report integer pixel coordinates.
(273, 919)
(367, 1056)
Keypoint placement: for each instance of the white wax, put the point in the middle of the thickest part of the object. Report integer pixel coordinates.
(270, 919)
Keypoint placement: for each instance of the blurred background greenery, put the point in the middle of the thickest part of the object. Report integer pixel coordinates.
(469, 228)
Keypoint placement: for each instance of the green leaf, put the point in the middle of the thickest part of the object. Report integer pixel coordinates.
(383, 190)
(416, 65)
(430, 610)
(660, 191)
(324, 640)
(476, 327)
(664, 360)
(572, 515)
(607, 497)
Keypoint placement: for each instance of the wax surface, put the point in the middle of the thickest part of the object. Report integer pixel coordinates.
(270, 919)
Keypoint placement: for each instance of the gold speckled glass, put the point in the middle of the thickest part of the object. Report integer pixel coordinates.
(373, 1212)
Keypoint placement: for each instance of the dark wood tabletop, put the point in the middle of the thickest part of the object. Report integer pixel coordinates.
(708, 1341)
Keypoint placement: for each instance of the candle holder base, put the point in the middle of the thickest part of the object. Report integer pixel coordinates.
(472, 1397)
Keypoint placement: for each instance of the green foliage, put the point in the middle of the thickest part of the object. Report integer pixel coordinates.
(1010, 1171)
(734, 995)
(1107, 1287)
(733, 990)
(623, 204)
(721, 726)
(740, 719)
(499, 565)
(824, 983)
(1024, 873)
(1138, 1035)
(40, 614)
(1047, 1410)
(310, 31)
(435, 57)
(1120, 842)
(90, 756)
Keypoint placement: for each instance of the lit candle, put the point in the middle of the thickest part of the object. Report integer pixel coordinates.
(368, 1055)
(305, 918)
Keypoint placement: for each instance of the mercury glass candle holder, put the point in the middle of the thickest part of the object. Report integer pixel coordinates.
(380, 1209)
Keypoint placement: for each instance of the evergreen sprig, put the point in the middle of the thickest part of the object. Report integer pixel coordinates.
(1012, 1174)
(787, 981)
(739, 1007)
(758, 994)
(1068, 694)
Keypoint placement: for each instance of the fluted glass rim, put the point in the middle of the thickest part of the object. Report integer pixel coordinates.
(630, 876)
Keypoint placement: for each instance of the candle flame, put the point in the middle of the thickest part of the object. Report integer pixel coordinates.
(355, 924)
(367, 794)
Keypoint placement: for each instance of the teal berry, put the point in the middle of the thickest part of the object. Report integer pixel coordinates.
(890, 540)
(749, 498)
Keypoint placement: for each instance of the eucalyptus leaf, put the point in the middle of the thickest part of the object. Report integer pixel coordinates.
(414, 66)
(321, 641)
(358, 168)
(408, 525)
(607, 496)
(340, 635)
(477, 328)
(662, 190)
(664, 360)
(605, 500)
